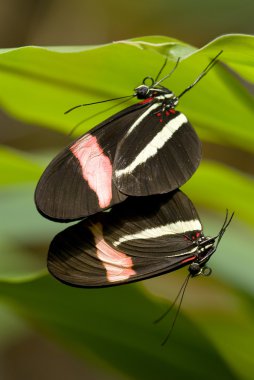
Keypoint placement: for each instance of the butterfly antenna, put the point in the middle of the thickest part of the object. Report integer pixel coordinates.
(204, 72)
(102, 101)
(224, 226)
(182, 292)
(94, 115)
(161, 69)
(173, 304)
(168, 75)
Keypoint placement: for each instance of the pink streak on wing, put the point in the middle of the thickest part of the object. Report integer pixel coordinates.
(118, 265)
(96, 167)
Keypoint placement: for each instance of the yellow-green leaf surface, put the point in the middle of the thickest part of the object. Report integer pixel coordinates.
(39, 84)
(219, 187)
(116, 325)
(17, 167)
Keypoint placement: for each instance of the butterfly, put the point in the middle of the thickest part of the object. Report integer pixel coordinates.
(139, 238)
(147, 148)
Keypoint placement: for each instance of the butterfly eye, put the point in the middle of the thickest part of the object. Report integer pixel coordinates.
(142, 92)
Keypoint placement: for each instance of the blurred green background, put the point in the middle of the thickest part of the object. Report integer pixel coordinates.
(48, 330)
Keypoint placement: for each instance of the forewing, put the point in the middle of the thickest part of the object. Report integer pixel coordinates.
(78, 182)
(134, 241)
(157, 155)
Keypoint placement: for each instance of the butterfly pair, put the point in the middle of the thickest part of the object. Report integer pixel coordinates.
(134, 161)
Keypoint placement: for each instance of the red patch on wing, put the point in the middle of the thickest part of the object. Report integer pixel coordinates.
(189, 259)
(96, 167)
(146, 101)
(117, 264)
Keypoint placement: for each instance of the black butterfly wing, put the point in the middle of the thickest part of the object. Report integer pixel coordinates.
(140, 238)
(158, 154)
(78, 182)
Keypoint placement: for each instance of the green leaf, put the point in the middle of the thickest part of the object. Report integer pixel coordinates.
(116, 325)
(219, 187)
(25, 235)
(17, 167)
(223, 313)
(39, 84)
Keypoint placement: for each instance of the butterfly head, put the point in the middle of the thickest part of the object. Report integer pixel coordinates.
(206, 246)
(150, 89)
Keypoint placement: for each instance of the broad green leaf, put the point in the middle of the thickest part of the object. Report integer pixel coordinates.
(17, 167)
(116, 325)
(39, 84)
(224, 313)
(219, 187)
(24, 233)
(239, 51)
